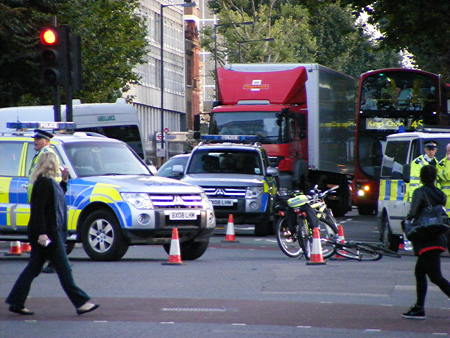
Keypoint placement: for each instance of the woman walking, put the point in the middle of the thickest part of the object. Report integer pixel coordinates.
(47, 234)
(428, 250)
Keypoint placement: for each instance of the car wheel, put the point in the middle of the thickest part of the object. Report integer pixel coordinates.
(391, 241)
(190, 250)
(102, 237)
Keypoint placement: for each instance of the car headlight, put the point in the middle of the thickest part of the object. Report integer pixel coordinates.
(254, 192)
(206, 202)
(139, 200)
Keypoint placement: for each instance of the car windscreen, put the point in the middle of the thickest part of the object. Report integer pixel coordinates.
(104, 158)
(225, 161)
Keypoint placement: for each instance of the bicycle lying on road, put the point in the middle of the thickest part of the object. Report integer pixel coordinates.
(361, 251)
(296, 239)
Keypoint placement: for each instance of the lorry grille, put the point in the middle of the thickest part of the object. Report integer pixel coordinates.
(225, 192)
(176, 201)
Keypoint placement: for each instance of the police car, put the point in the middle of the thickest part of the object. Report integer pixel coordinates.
(113, 199)
(399, 151)
(237, 178)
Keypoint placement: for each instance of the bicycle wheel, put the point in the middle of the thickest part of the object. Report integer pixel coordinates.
(358, 252)
(287, 240)
(327, 235)
(305, 237)
(380, 248)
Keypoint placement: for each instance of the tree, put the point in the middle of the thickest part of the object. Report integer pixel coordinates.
(113, 42)
(422, 27)
(311, 32)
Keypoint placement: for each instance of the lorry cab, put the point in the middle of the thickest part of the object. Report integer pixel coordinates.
(400, 150)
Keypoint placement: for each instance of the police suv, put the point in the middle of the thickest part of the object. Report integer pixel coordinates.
(399, 151)
(237, 178)
(113, 199)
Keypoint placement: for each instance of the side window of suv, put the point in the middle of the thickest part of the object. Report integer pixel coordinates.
(395, 157)
(10, 158)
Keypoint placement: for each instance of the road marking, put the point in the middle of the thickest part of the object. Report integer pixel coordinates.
(170, 323)
(325, 293)
(304, 326)
(440, 334)
(372, 330)
(192, 309)
(101, 321)
(30, 321)
(238, 324)
(324, 302)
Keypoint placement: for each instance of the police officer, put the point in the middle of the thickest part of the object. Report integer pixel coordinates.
(41, 145)
(444, 176)
(430, 148)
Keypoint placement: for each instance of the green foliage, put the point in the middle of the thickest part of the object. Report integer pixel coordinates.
(113, 43)
(420, 26)
(322, 32)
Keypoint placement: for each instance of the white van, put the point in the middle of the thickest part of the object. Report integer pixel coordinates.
(116, 120)
(398, 153)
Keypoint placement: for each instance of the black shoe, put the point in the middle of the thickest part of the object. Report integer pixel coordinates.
(80, 311)
(416, 312)
(21, 310)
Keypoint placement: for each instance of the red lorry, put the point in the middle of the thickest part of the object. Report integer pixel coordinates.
(303, 115)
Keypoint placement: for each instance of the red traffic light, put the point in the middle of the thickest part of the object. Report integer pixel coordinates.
(49, 36)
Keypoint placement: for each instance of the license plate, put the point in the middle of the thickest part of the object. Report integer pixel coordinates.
(222, 202)
(182, 215)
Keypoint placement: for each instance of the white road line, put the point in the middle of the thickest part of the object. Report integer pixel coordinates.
(372, 330)
(304, 326)
(101, 321)
(238, 324)
(170, 323)
(192, 309)
(325, 293)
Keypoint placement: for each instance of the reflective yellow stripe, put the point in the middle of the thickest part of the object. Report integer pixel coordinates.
(5, 184)
(105, 193)
(72, 218)
(22, 216)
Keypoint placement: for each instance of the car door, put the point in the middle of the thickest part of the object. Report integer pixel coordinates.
(10, 166)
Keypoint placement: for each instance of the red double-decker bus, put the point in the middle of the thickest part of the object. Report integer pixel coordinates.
(390, 101)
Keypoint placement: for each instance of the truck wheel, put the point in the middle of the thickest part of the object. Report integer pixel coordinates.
(102, 237)
(190, 250)
(391, 241)
(264, 228)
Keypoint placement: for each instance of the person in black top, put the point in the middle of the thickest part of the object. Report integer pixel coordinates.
(46, 234)
(428, 250)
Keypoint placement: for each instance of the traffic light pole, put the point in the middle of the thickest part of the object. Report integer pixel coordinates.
(56, 103)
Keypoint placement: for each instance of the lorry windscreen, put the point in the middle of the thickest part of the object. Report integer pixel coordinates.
(262, 124)
(104, 158)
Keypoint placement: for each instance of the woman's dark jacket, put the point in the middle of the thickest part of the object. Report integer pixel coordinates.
(419, 201)
(48, 211)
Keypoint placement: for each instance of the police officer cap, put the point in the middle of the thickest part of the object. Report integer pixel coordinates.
(430, 144)
(42, 134)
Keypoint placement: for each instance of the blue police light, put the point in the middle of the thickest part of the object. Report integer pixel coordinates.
(222, 138)
(41, 125)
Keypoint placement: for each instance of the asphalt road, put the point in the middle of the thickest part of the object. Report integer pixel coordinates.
(245, 289)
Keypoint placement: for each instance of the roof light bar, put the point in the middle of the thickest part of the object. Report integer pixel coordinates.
(230, 138)
(41, 125)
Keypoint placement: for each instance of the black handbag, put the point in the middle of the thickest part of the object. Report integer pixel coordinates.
(432, 222)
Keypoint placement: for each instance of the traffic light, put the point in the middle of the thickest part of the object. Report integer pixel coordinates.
(54, 55)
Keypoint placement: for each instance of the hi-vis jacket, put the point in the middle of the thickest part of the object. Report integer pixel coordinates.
(414, 176)
(444, 179)
(34, 162)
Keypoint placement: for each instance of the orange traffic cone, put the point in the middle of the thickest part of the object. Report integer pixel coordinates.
(341, 239)
(174, 253)
(316, 252)
(25, 247)
(14, 249)
(229, 235)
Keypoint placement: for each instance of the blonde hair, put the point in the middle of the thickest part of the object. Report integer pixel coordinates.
(47, 166)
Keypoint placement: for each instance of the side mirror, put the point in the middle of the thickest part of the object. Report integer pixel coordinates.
(177, 170)
(406, 173)
(271, 171)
